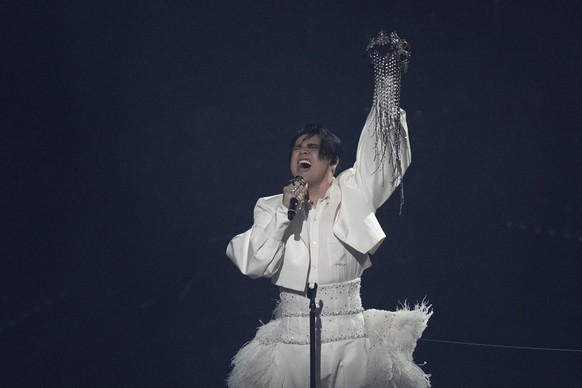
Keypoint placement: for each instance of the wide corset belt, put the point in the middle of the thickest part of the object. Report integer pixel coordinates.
(339, 314)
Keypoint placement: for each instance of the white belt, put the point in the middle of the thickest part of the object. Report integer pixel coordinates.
(340, 314)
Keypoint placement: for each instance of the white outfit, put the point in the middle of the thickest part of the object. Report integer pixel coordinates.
(329, 245)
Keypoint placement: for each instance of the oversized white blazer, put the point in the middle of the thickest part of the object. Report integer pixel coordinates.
(278, 248)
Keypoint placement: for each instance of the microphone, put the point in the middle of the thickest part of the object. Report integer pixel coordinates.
(292, 208)
(298, 184)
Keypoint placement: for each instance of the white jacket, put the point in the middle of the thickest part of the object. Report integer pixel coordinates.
(278, 248)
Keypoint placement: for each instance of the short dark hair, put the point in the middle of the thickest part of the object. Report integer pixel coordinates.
(330, 147)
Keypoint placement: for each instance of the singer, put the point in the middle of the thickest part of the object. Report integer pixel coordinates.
(328, 241)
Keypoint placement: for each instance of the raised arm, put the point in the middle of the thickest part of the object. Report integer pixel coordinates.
(384, 149)
(377, 177)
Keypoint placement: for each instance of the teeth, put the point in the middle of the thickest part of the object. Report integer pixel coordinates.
(305, 163)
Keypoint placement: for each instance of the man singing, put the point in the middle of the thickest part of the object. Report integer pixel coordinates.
(321, 230)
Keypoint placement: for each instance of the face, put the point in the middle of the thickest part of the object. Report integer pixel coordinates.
(305, 160)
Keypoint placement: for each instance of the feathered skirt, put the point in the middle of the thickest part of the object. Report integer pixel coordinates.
(355, 347)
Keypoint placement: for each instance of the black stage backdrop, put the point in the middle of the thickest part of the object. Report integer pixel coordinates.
(136, 136)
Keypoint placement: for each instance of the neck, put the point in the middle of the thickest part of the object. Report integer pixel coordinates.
(317, 191)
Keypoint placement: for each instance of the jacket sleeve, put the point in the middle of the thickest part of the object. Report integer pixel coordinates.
(259, 251)
(377, 182)
(365, 187)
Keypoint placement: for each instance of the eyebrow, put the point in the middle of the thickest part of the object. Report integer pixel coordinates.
(309, 145)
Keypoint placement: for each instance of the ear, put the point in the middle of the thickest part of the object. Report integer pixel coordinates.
(333, 165)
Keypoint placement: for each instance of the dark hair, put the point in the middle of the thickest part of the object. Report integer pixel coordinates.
(330, 147)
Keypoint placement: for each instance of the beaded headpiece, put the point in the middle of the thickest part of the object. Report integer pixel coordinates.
(388, 55)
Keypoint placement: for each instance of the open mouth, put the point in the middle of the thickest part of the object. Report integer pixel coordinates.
(304, 164)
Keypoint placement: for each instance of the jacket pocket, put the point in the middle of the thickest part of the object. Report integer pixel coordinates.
(337, 253)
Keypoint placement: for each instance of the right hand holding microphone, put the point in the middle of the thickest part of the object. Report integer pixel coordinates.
(293, 195)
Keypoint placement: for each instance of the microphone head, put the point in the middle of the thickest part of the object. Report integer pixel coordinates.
(299, 180)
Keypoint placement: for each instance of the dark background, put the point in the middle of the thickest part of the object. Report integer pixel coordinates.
(136, 136)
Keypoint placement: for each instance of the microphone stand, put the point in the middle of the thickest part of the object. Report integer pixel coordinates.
(311, 293)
